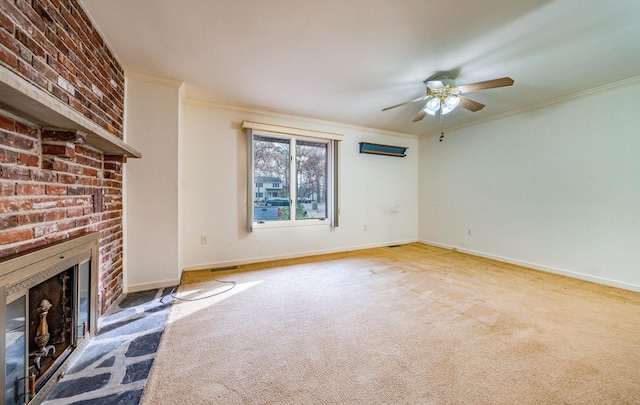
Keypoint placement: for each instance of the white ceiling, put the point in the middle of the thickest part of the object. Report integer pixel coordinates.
(344, 60)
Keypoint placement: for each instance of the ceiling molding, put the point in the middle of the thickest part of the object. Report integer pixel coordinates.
(161, 81)
(544, 104)
(255, 110)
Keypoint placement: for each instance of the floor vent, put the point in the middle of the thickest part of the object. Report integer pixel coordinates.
(394, 246)
(224, 268)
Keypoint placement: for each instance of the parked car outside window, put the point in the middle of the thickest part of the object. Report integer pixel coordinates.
(301, 212)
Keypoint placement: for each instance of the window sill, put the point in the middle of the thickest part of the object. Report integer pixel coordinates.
(289, 224)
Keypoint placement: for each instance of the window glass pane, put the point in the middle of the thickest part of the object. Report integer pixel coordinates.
(311, 179)
(15, 351)
(271, 179)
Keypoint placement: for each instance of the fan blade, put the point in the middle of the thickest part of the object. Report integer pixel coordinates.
(470, 105)
(489, 84)
(405, 103)
(420, 116)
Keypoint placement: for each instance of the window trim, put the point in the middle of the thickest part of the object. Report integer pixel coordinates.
(252, 129)
(284, 130)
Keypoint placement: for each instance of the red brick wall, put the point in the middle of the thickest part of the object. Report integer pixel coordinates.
(52, 185)
(53, 44)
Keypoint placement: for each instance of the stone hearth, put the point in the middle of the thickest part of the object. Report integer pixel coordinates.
(114, 367)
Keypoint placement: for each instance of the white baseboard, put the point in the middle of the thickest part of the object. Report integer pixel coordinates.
(152, 286)
(232, 263)
(548, 269)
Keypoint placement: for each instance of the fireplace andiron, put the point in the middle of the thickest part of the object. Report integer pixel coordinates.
(42, 335)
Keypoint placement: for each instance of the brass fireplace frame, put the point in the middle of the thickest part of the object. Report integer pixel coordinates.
(21, 272)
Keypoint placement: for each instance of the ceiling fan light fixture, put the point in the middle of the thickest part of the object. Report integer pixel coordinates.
(435, 84)
(450, 103)
(443, 95)
(433, 105)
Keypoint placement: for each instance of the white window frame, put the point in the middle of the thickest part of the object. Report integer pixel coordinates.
(293, 134)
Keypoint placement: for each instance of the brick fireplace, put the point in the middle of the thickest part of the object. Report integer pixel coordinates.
(62, 151)
(61, 134)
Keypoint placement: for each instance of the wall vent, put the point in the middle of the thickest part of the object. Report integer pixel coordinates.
(379, 149)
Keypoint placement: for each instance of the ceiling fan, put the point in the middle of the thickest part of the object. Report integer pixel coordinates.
(443, 95)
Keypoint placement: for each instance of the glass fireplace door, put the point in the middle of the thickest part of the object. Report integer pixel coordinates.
(83, 297)
(15, 351)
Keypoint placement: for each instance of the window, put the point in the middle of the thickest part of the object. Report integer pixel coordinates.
(311, 178)
(306, 180)
(301, 171)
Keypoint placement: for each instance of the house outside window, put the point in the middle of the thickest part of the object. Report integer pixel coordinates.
(273, 190)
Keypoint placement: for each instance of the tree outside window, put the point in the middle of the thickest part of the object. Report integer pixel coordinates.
(306, 179)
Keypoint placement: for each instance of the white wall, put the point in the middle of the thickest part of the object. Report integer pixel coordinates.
(152, 217)
(557, 188)
(378, 191)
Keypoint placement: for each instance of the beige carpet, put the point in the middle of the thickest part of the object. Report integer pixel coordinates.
(406, 325)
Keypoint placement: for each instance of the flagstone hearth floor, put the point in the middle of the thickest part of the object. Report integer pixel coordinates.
(114, 367)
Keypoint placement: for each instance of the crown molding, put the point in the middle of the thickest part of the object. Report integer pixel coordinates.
(162, 81)
(278, 114)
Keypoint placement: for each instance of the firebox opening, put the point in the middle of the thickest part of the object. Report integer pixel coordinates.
(50, 325)
(49, 315)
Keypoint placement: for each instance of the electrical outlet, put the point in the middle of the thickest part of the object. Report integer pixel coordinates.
(469, 232)
(203, 240)
(365, 228)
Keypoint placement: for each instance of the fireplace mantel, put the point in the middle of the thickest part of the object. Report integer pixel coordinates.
(24, 100)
